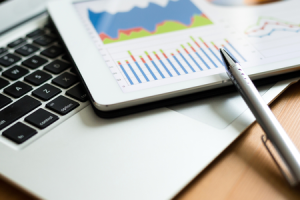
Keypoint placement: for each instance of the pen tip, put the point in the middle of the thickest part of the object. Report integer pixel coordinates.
(227, 58)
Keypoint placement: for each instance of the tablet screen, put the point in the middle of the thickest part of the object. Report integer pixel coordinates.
(151, 43)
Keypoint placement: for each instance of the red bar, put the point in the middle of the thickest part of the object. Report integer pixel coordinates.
(165, 55)
(149, 58)
(143, 60)
(193, 49)
(206, 45)
(186, 51)
(172, 54)
(197, 44)
(157, 57)
(133, 58)
(119, 62)
(127, 62)
(216, 47)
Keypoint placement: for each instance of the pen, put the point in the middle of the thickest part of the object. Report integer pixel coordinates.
(281, 143)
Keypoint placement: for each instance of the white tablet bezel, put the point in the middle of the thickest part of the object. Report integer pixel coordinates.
(105, 92)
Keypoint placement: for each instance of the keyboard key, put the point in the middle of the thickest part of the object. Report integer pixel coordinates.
(16, 42)
(3, 50)
(66, 58)
(17, 89)
(4, 101)
(78, 93)
(57, 67)
(17, 110)
(41, 118)
(46, 92)
(19, 133)
(52, 52)
(34, 62)
(15, 72)
(37, 78)
(35, 33)
(65, 80)
(9, 59)
(62, 105)
(3, 83)
(44, 40)
(27, 49)
(73, 70)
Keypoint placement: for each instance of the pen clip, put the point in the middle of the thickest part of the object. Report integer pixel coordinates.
(283, 167)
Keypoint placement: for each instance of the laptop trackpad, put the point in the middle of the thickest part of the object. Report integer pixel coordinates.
(218, 111)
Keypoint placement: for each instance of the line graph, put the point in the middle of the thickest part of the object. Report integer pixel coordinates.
(266, 26)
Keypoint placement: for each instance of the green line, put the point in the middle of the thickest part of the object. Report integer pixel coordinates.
(189, 44)
(146, 53)
(182, 46)
(161, 51)
(129, 53)
(201, 39)
(270, 18)
(193, 39)
(154, 52)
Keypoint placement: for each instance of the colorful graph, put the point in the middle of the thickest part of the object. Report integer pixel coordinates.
(266, 26)
(143, 22)
(192, 57)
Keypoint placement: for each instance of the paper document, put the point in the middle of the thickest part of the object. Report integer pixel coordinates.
(152, 43)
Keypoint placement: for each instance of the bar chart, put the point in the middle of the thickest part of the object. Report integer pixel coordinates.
(148, 44)
(191, 57)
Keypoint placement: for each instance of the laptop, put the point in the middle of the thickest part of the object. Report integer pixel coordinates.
(54, 146)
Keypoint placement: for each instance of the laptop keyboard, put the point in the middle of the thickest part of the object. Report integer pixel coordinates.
(38, 85)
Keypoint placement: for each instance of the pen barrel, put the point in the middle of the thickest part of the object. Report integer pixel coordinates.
(264, 116)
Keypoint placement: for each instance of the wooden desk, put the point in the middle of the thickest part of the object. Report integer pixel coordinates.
(243, 171)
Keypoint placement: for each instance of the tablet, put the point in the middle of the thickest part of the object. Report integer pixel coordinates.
(134, 52)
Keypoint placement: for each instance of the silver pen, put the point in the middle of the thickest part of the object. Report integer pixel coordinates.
(287, 156)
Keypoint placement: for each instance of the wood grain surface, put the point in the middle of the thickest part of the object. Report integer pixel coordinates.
(243, 171)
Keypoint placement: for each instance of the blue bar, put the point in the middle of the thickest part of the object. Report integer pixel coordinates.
(195, 62)
(136, 76)
(236, 51)
(230, 54)
(186, 62)
(209, 58)
(173, 66)
(137, 64)
(180, 64)
(150, 71)
(216, 56)
(161, 62)
(202, 60)
(158, 69)
(126, 74)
